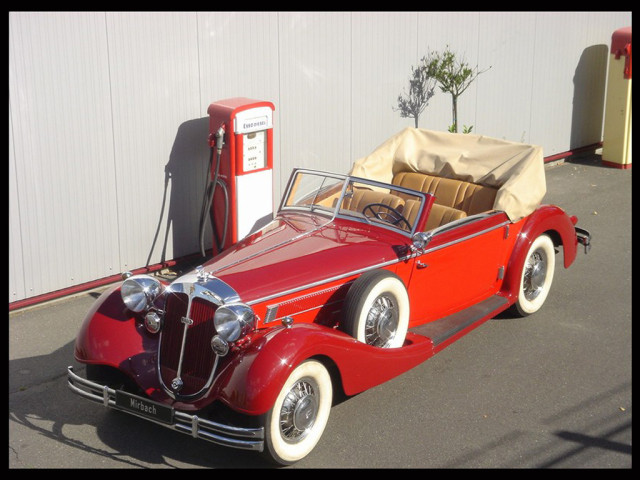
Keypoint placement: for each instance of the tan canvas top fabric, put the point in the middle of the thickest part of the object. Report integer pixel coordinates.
(516, 169)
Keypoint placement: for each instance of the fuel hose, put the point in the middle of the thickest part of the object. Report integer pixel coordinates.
(209, 193)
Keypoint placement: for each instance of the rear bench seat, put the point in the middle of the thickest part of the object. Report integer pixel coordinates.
(469, 197)
(455, 199)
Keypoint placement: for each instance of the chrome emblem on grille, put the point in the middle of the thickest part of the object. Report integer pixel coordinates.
(176, 384)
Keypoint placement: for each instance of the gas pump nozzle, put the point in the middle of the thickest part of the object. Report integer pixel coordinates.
(220, 138)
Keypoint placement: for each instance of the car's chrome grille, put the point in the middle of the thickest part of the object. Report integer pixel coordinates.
(195, 329)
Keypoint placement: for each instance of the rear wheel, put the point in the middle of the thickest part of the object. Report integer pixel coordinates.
(296, 422)
(376, 310)
(537, 276)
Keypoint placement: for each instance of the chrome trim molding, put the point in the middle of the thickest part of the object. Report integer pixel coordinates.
(272, 310)
(462, 239)
(227, 435)
(327, 280)
(464, 220)
(415, 254)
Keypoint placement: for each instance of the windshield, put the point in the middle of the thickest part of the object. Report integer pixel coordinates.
(389, 206)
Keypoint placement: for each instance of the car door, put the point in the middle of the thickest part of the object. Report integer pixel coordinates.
(462, 264)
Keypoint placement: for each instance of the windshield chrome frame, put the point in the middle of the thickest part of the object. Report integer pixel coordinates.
(348, 179)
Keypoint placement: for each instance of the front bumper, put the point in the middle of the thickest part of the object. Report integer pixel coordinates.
(229, 436)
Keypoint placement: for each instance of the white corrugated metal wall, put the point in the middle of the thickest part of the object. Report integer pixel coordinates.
(107, 112)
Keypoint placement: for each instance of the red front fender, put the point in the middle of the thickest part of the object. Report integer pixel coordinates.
(251, 383)
(252, 378)
(108, 334)
(112, 335)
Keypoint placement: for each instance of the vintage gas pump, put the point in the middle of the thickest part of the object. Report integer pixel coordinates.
(239, 194)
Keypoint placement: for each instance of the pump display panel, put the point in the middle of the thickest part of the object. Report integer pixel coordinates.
(253, 124)
(254, 151)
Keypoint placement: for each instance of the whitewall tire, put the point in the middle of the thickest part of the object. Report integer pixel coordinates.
(376, 309)
(295, 424)
(536, 277)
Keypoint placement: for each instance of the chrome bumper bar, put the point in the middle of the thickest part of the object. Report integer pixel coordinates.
(229, 436)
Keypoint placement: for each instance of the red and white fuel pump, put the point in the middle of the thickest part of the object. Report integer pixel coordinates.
(239, 193)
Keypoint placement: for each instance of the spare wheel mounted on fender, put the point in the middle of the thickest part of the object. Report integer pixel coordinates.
(376, 309)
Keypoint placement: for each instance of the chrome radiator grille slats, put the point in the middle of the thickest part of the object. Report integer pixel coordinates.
(198, 359)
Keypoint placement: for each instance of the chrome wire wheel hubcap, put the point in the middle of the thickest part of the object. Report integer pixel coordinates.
(535, 274)
(299, 411)
(382, 321)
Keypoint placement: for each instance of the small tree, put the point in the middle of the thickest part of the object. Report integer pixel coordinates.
(422, 83)
(454, 76)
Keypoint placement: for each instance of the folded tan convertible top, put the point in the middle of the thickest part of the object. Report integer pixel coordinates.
(515, 169)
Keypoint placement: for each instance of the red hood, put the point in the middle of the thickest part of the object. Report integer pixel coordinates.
(300, 249)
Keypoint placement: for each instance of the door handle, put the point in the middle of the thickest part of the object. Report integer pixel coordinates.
(421, 265)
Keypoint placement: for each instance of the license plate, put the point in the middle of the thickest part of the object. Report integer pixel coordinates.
(142, 406)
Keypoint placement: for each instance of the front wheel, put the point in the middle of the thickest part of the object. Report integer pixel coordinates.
(296, 422)
(536, 278)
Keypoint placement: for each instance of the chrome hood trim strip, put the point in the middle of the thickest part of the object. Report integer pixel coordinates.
(206, 287)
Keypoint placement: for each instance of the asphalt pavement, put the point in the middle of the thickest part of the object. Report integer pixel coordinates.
(552, 390)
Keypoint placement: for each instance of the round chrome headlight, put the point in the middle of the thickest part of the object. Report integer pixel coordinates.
(139, 291)
(233, 321)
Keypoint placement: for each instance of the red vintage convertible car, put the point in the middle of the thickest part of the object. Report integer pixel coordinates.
(357, 279)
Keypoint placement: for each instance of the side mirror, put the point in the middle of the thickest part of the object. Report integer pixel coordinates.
(420, 240)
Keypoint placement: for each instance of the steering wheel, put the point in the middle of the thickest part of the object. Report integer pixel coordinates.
(389, 215)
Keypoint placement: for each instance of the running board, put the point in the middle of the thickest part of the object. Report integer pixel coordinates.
(440, 330)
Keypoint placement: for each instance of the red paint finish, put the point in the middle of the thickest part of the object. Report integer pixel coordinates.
(253, 379)
(621, 47)
(546, 219)
(108, 320)
(294, 275)
(459, 268)
(112, 335)
(272, 267)
(625, 166)
(302, 249)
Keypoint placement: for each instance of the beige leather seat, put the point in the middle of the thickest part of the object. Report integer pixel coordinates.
(455, 199)
(469, 197)
(362, 197)
(439, 214)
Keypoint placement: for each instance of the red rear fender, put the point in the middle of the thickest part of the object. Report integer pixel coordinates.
(546, 219)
